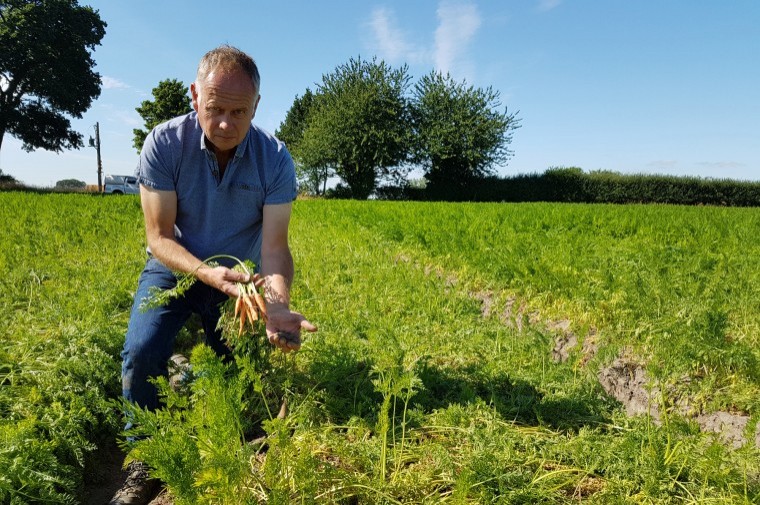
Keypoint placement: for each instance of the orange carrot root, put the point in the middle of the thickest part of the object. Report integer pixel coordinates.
(238, 304)
(242, 322)
(261, 304)
(248, 302)
(253, 315)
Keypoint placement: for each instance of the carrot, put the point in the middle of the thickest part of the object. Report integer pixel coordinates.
(254, 314)
(238, 304)
(261, 304)
(248, 302)
(242, 322)
(251, 309)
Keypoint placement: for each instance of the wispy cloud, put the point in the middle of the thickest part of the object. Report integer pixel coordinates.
(121, 116)
(113, 83)
(391, 42)
(667, 164)
(547, 5)
(457, 25)
(721, 164)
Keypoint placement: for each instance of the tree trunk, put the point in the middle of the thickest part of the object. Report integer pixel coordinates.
(360, 179)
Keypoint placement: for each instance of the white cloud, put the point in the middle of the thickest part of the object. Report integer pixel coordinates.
(668, 164)
(457, 25)
(113, 83)
(720, 164)
(391, 42)
(390, 39)
(547, 5)
(121, 116)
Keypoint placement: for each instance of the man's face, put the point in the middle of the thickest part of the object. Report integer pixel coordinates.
(226, 103)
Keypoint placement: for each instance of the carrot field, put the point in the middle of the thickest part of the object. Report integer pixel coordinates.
(466, 353)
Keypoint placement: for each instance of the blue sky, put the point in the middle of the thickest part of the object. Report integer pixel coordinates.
(633, 86)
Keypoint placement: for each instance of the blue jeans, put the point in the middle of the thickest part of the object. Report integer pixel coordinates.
(151, 334)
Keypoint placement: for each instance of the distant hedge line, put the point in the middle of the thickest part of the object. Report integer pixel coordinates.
(573, 185)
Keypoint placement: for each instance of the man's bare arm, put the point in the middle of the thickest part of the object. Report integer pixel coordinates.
(160, 213)
(284, 326)
(276, 260)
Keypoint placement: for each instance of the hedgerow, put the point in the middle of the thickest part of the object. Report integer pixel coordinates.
(572, 185)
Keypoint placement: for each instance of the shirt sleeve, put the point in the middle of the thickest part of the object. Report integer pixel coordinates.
(282, 187)
(155, 166)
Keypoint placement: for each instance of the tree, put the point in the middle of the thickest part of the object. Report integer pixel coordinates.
(291, 132)
(70, 184)
(171, 100)
(359, 124)
(459, 133)
(7, 180)
(46, 70)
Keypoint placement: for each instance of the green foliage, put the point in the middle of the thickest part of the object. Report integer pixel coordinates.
(48, 70)
(197, 444)
(678, 284)
(572, 185)
(70, 184)
(460, 135)
(362, 124)
(170, 99)
(292, 128)
(312, 178)
(63, 309)
(411, 392)
(7, 181)
(359, 125)
(492, 418)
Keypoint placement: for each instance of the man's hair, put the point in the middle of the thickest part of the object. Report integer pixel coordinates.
(228, 59)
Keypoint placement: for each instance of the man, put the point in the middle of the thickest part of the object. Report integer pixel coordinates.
(210, 183)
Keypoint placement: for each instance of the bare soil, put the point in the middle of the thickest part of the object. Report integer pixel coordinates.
(624, 379)
(106, 477)
(109, 476)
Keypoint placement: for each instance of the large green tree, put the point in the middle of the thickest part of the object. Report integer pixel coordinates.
(46, 70)
(290, 131)
(460, 131)
(359, 124)
(171, 99)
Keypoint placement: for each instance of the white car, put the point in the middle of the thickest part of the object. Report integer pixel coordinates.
(121, 185)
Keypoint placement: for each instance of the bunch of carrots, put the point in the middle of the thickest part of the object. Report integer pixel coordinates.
(249, 306)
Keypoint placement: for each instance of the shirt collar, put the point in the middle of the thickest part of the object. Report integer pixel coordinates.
(239, 150)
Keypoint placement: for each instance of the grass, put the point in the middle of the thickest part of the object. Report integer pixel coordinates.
(407, 394)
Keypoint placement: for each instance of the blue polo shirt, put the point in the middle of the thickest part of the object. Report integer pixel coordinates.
(217, 215)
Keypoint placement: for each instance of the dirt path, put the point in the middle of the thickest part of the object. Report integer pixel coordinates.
(107, 476)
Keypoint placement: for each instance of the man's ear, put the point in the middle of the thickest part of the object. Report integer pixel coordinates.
(255, 105)
(196, 96)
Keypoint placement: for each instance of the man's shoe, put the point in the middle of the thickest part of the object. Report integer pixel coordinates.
(180, 373)
(138, 489)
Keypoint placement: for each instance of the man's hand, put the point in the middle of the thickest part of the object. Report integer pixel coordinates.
(284, 327)
(224, 279)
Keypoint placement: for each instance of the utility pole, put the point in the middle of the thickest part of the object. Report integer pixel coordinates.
(96, 144)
